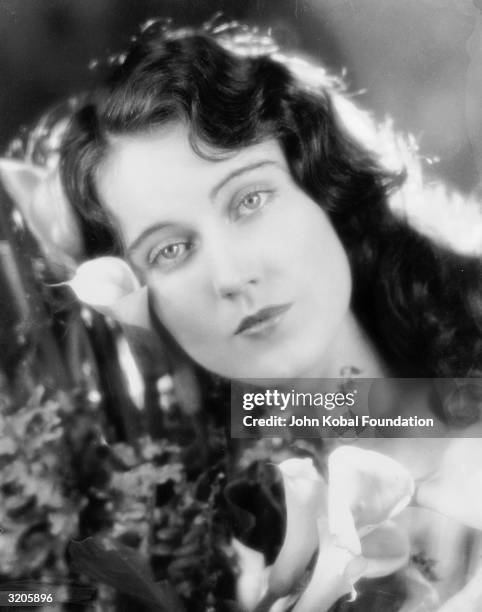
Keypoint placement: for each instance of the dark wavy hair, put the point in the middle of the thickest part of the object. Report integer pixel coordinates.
(420, 303)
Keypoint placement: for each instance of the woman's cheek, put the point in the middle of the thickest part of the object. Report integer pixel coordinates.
(180, 304)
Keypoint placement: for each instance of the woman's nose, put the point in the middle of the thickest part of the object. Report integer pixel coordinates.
(233, 270)
(231, 288)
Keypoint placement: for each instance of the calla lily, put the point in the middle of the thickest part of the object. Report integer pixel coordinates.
(421, 595)
(331, 578)
(53, 219)
(455, 489)
(366, 488)
(109, 285)
(38, 193)
(103, 281)
(357, 539)
(384, 550)
(439, 545)
(337, 569)
(252, 578)
(347, 520)
(305, 496)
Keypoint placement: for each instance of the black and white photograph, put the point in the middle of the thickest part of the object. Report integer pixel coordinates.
(241, 305)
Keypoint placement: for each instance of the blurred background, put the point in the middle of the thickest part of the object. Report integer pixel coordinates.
(419, 61)
(71, 462)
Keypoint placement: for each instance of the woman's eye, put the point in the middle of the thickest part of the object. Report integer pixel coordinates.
(168, 254)
(250, 203)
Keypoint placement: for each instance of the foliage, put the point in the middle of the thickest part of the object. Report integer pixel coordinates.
(141, 500)
(38, 505)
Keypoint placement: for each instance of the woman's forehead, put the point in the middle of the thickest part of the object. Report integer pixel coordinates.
(171, 147)
(158, 173)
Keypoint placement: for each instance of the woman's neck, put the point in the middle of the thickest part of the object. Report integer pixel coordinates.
(352, 352)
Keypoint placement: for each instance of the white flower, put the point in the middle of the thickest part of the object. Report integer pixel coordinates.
(421, 595)
(305, 497)
(357, 539)
(346, 520)
(103, 281)
(366, 489)
(252, 577)
(109, 285)
(40, 198)
(337, 569)
(331, 578)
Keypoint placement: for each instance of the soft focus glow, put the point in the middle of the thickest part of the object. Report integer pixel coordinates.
(135, 382)
(455, 489)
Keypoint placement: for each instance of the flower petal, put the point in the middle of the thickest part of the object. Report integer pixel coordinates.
(340, 517)
(441, 543)
(374, 486)
(421, 595)
(386, 550)
(331, 578)
(103, 281)
(252, 579)
(53, 220)
(305, 495)
(337, 569)
(38, 193)
(130, 310)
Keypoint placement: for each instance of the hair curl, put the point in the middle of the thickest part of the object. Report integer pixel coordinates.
(420, 303)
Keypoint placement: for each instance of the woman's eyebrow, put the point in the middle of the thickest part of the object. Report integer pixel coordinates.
(238, 172)
(152, 229)
(214, 191)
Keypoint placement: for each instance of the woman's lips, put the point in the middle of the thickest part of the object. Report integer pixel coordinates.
(263, 320)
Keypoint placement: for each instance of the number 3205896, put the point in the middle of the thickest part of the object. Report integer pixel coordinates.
(30, 598)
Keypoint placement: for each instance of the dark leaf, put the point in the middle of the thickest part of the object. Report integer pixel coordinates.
(256, 517)
(122, 568)
(230, 606)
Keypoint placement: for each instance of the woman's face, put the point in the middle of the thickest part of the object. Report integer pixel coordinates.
(245, 270)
